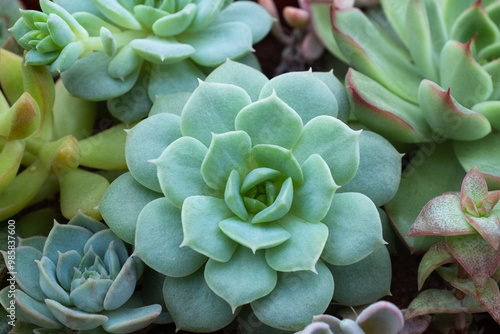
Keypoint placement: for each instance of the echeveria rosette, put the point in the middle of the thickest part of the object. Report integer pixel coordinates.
(80, 277)
(231, 197)
(470, 223)
(100, 46)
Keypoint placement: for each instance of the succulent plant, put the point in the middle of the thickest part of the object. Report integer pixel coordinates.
(102, 48)
(379, 318)
(9, 14)
(437, 63)
(80, 277)
(470, 222)
(230, 195)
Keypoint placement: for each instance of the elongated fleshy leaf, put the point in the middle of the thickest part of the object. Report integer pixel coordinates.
(73, 318)
(117, 14)
(125, 62)
(100, 242)
(437, 255)
(48, 281)
(212, 109)
(28, 279)
(63, 238)
(161, 50)
(175, 23)
(279, 159)
(488, 227)
(123, 286)
(279, 207)
(243, 279)
(64, 268)
(297, 297)
(489, 110)
(158, 237)
(201, 216)
(128, 320)
(89, 296)
(37, 312)
(232, 196)
(11, 154)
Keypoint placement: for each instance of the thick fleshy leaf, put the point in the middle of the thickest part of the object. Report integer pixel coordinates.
(243, 279)
(206, 12)
(232, 195)
(335, 142)
(97, 84)
(313, 199)
(171, 103)
(489, 109)
(147, 15)
(128, 320)
(477, 257)
(441, 216)
(125, 62)
(90, 20)
(397, 120)
(279, 159)
(468, 81)
(38, 313)
(298, 296)
(303, 92)
(448, 117)
(11, 154)
(201, 216)
(68, 57)
(49, 7)
(254, 236)
(63, 238)
(60, 31)
(64, 268)
(117, 14)
(155, 133)
(28, 279)
(73, 318)
(161, 50)
(212, 109)
(89, 296)
(124, 284)
(257, 176)
(270, 121)
(474, 186)
(100, 242)
(488, 227)
(121, 213)
(338, 89)
(158, 237)
(176, 23)
(194, 306)
(355, 230)
(279, 207)
(365, 281)
(48, 281)
(179, 170)
(218, 42)
(302, 250)
(228, 151)
(381, 317)
(437, 255)
(235, 73)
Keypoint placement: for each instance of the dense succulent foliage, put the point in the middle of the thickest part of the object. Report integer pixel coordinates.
(379, 318)
(45, 134)
(102, 48)
(424, 71)
(470, 222)
(234, 198)
(80, 277)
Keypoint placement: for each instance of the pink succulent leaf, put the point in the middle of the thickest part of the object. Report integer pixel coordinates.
(487, 204)
(441, 216)
(311, 47)
(328, 319)
(477, 257)
(441, 301)
(381, 318)
(474, 186)
(488, 227)
(437, 255)
(416, 325)
(468, 206)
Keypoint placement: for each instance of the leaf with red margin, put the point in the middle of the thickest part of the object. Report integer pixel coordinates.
(474, 186)
(488, 227)
(441, 216)
(384, 112)
(477, 257)
(435, 257)
(487, 204)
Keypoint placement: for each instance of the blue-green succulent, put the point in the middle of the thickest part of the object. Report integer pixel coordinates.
(233, 194)
(80, 277)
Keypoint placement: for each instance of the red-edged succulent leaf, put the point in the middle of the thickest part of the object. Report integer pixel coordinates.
(441, 216)
(477, 257)
(468, 206)
(448, 117)
(474, 186)
(486, 205)
(384, 112)
(435, 257)
(441, 301)
(488, 227)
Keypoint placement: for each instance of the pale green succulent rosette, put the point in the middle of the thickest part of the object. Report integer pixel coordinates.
(233, 198)
(424, 71)
(107, 48)
(80, 277)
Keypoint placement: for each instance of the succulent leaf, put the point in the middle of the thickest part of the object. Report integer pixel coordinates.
(73, 318)
(37, 312)
(130, 320)
(436, 256)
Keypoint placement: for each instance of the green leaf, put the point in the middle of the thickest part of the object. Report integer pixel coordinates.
(11, 154)
(298, 296)
(488, 227)
(437, 255)
(60, 31)
(171, 103)
(279, 207)
(468, 81)
(63, 238)
(232, 195)
(161, 50)
(64, 268)
(280, 159)
(449, 118)
(92, 23)
(130, 320)
(365, 281)
(254, 236)
(355, 230)
(194, 306)
(38, 313)
(205, 13)
(48, 281)
(303, 92)
(270, 121)
(73, 318)
(124, 63)
(201, 216)
(474, 186)
(155, 133)
(335, 142)
(179, 170)
(489, 109)
(158, 237)
(108, 41)
(228, 151)
(243, 279)
(257, 176)
(175, 23)
(215, 43)
(235, 73)
(302, 250)
(124, 284)
(68, 57)
(395, 11)
(148, 15)
(117, 14)
(29, 277)
(338, 89)
(212, 108)
(478, 153)
(89, 296)
(49, 7)
(121, 213)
